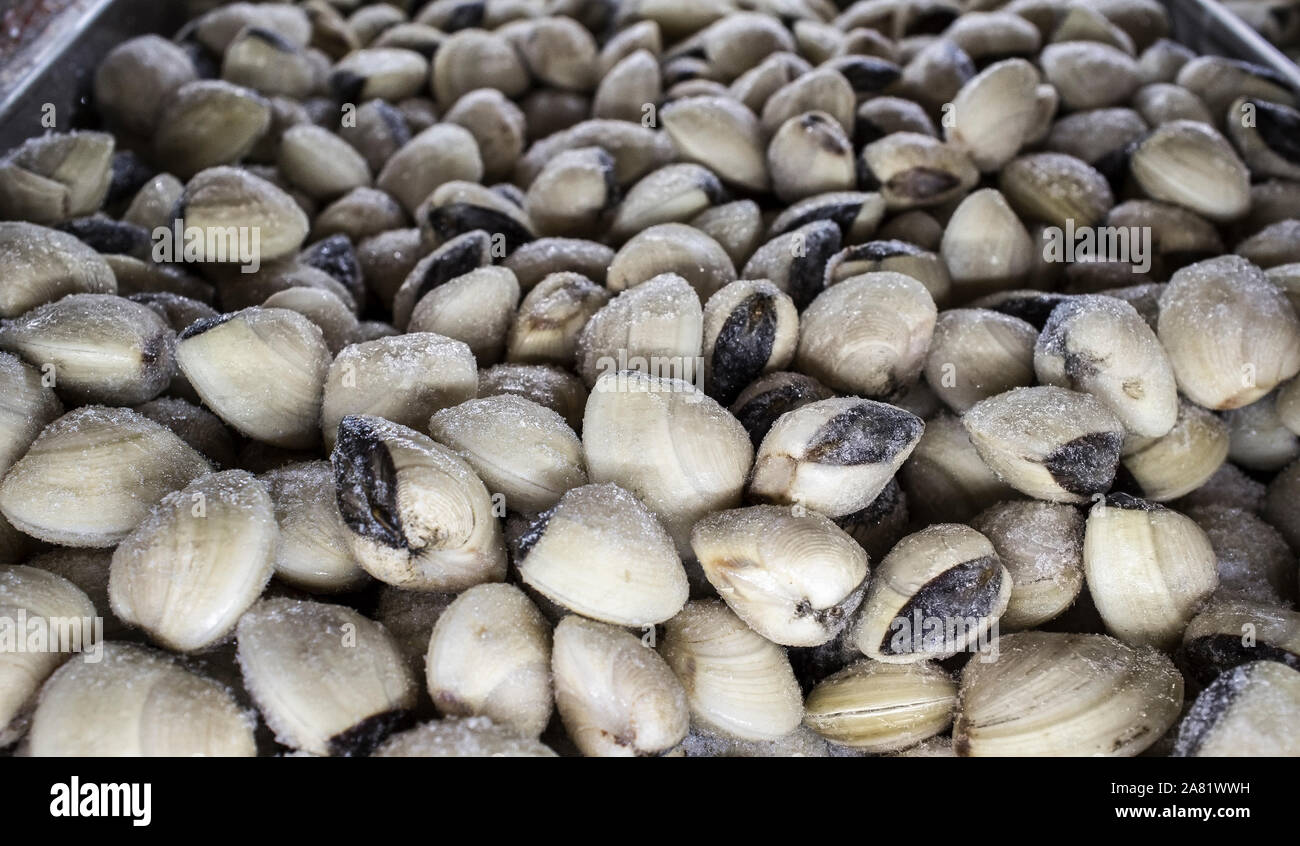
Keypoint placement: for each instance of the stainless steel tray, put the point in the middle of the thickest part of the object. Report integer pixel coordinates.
(57, 67)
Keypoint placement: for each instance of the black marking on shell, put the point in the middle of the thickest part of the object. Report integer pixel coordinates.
(366, 483)
(967, 590)
(399, 131)
(458, 218)
(336, 256)
(347, 85)
(840, 212)
(455, 258)
(129, 175)
(713, 189)
(1260, 71)
(364, 737)
(1128, 502)
(865, 131)
(922, 183)
(1208, 709)
(1114, 165)
(1209, 656)
(1034, 310)
(807, 275)
(1279, 129)
(108, 236)
(867, 433)
(931, 20)
(1086, 465)
(270, 38)
(466, 16)
(868, 74)
(523, 544)
(760, 412)
(198, 327)
(881, 250)
(743, 346)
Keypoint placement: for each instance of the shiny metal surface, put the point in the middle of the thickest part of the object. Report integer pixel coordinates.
(56, 68)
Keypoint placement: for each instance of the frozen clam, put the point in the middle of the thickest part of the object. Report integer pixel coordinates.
(1149, 569)
(1041, 545)
(45, 601)
(1257, 333)
(1102, 346)
(327, 680)
(532, 471)
(95, 348)
(833, 455)
(736, 682)
(26, 406)
(867, 335)
(750, 328)
(615, 695)
(311, 550)
(551, 318)
(417, 515)
(1249, 711)
(42, 265)
(403, 378)
(601, 553)
(879, 707)
(137, 702)
(655, 328)
(1052, 693)
(1048, 442)
(795, 578)
(197, 562)
(938, 591)
(665, 441)
(978, 353)
(262, 370)
(490, 655)
(93, 474)
(1181, 461)
(474, 737)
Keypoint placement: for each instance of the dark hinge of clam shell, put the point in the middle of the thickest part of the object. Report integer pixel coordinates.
(528, 538)
(458, 218)
(1034, 310)
(334, 255)
(466, 16)
(367, 483)
(110, 237)
(1209, 708)
(968, 590)
(807, 276)
(868, 75)
(202, 325)
(457, 258)
(922, 183)
(129, 175)
(1209, 656)
(365, 736)
(868, 433)
(1086, 465)
(758, 415)
(744, 346)
(347, 85)
(1279, 129)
